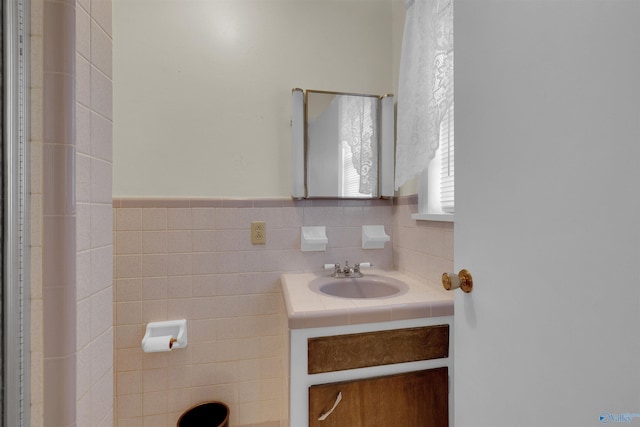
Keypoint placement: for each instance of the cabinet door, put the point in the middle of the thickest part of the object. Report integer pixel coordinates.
(415, 399)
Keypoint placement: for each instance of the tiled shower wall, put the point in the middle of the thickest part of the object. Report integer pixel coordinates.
(70, 178)
(94, 260)
(194, 259)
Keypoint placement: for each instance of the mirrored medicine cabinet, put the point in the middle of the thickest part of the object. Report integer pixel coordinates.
(342, 145)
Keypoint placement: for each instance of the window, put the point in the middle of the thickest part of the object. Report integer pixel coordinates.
(436, 195)
(447, 193)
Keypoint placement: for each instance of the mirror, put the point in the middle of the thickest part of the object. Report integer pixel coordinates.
(347, 145)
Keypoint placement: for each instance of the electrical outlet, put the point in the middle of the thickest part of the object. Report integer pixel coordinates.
(258, 233)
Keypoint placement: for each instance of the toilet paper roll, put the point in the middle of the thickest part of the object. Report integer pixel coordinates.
(155, 344)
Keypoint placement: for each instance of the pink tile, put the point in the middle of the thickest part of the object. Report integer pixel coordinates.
(203, 308)
(154, 219)
(101, 137)
(102, 225)
(203, 352)
(154, 288)
(129, 383)
(315, 320)
(83, 81)
(128, 219)
(83, 179)
(204, 374)
(128, 289)
(129, 336)
(234, 240)
(410, 311)
(205, 285)
(179, 264)
(202, 330)
(154, 311)
(155, 420)
(101, 178)
(128, 266)
(206, 203)
(128, 313)
(154, 380)
(179, 377)
(237, 203)
(203, 218)
(129, 405)
(128, 359)
(154, 265)
(237, 327)
(204, 263)
(101, 94)
(442, 308)
(101, 12)
(174, 203)
(179, 241)
(205, 240)
(269, 203)
(102, 311)
(230, 218)
(128, 242)
(102, 356)
(154, 360)
(179, 218)
(138, 202)
(179, 309)
(232, 262)
(179, 287)
(154, 242)
(154, 403)
(101, 49)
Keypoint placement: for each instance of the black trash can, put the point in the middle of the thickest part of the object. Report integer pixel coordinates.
(207, 414)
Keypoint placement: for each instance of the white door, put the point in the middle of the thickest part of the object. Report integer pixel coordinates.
(547, 212)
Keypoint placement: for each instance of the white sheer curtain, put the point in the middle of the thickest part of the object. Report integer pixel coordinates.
(425, 89)
(358, 129)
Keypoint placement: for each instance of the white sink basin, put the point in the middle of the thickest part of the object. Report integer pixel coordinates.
(369, 286)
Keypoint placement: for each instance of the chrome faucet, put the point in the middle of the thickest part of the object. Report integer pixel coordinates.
(347, 271)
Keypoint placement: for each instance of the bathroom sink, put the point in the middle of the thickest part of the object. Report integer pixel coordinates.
(369, 286)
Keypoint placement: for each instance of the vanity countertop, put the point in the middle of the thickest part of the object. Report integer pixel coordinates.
(309, 309)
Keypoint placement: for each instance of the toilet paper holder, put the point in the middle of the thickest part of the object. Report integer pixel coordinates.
(174, 332)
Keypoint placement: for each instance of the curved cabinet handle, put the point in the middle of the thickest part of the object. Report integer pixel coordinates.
(326, 414)
(462, 280)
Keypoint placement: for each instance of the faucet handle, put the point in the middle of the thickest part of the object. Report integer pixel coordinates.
(335, 267)
(359, 265)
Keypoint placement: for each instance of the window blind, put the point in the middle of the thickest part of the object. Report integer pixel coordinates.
(447, 170)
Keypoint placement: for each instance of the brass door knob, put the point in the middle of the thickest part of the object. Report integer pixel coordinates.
(462, 280)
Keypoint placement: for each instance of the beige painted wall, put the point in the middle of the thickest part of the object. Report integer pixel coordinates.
(202, 88)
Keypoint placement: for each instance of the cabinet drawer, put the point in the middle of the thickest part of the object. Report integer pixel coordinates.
(351, 351)
(415, 399)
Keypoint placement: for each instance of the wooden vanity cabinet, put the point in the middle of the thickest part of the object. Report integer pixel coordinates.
(414, 399)
(390, 374)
